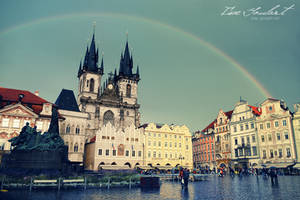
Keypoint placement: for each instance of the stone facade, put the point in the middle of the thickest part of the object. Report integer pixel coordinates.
(112, 146)
(168, 145)
(222, 139)
(275, 133)
(244, 140)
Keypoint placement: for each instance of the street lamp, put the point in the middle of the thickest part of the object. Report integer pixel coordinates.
(181, 158)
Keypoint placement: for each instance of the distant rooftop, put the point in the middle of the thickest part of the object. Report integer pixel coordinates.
(66, 101)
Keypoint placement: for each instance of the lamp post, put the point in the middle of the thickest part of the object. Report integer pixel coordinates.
(181, 158)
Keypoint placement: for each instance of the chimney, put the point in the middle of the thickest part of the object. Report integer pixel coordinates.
(37, 93)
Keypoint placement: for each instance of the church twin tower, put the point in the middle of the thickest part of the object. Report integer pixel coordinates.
(115, 101)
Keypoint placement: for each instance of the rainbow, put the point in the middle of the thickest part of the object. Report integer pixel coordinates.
(211, 47)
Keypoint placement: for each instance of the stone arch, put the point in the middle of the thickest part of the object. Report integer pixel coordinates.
(168, 164)
(129, 165)
(99, 166)
(113, 163)
(158, 164)
(150, 164)
(177, 165)
(77, 130)
(137, 164)
(68, 128)
(108, 117)
(92, 83)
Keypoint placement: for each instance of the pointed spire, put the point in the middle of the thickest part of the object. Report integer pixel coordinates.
(138, 71)
(79, 70)
(86, 58)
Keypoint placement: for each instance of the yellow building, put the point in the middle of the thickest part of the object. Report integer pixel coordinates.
(168, 146)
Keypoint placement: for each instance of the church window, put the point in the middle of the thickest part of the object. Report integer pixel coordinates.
(76, 147)
(77, 130)
(68, 129)
(92, 85)
(5, 122)
(128, 90)
(97, 113)
(16, 123)
(108, 117)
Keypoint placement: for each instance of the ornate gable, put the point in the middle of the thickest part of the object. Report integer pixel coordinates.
(18, 110)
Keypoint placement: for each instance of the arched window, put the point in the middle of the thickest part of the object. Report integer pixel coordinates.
(128, 90)
(108, 117)
(77, 130)
(76, 147)
(68, 129)
(87, 83)
(92, 85)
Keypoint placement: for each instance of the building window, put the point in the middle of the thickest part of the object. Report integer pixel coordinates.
(133, 153)
(97, 112)
(159, 155)
(280, 153)
(175, 136)
(39, 125)
(166, 144)
(140, 153)
(270, 137)
(92, 85)
(128, 90)
(276, 124)
(170, 144)
(241, 127)
(264, 154)
(159, 143)
(68, 129)
(252, 125)
(235, 141)
(166, 135)
(76, 147)
(247, 127)
(286, 135)
(234, 128)
(241, 152)
(100, 152)
(77, 130)
(16, 123)
(166, 155)
(179, 145)
(254, 150)
(278, 136)
(262, 138)
(149, 143)
(248, 140)
(159, 135)
(284, 122)
(261, 126)
(108, 117)
(186, 147)
(114, 152)
(154, 143)
(107, 152)
(149, 134)
(149, 154)
(288, 152)
(268, 125)
(271, 154)
(253, 138)
(243, 140)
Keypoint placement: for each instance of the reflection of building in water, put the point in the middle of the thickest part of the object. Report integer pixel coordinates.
(167, 145)
(17, 107)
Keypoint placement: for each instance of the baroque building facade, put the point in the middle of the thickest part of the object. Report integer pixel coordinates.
(222, 139)
(244, 140)
(18, 107)
(276, 134)
(167, 146)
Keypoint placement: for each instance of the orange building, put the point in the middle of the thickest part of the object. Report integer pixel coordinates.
(204, 147)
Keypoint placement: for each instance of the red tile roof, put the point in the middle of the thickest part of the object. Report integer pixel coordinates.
(255, 110)
(11, 96)
(93, 139)
(211, 125)
(229, 113)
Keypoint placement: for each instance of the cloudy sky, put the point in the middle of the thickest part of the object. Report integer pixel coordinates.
(195, 58)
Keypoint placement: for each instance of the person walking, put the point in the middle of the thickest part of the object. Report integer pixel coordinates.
(186, 176)
(181, 177)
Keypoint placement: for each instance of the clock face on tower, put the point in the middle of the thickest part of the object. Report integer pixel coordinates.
(110, 86)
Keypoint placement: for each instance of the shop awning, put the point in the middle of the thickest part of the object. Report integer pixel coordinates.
(279, 165)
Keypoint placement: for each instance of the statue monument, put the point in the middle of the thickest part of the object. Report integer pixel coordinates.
(34, 150)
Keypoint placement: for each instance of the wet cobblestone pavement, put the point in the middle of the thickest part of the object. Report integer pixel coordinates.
(227, 188)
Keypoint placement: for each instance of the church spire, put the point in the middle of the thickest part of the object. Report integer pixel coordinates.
(79, 70)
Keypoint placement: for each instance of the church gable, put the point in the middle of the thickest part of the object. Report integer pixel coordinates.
(17, 110)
